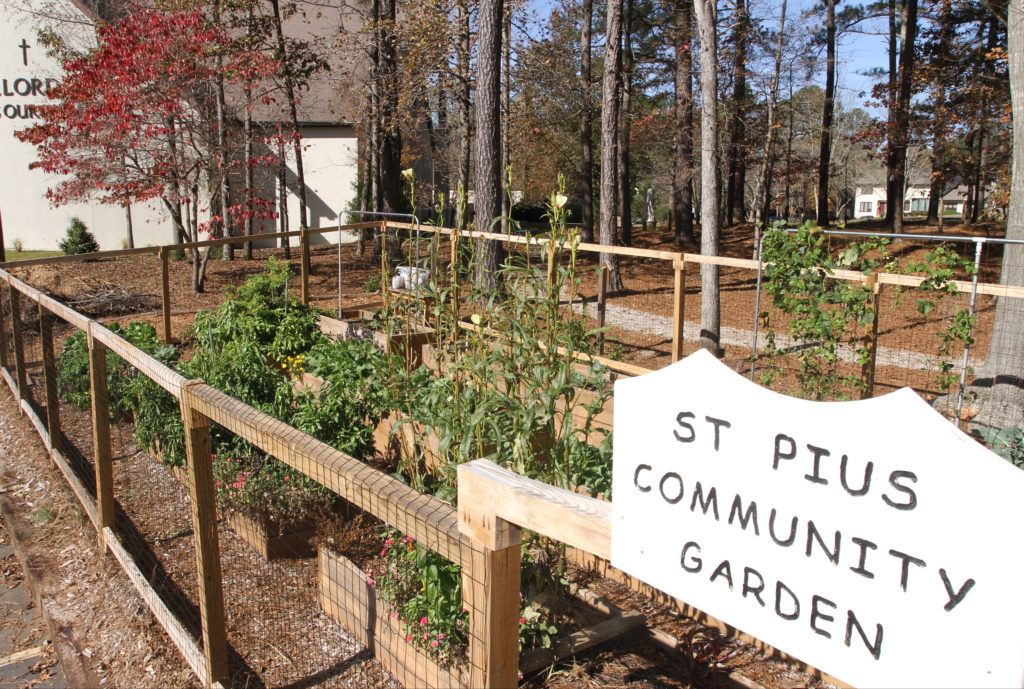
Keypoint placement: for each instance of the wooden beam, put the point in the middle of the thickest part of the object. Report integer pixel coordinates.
(679, 309)
(101, 434)
(490, 591)
(50, 378)
(185, 642)
(560, 514)
(204, 526)
(20, 376)
(871, 339)
(428, 520)
(304, 265)
(4, 361)
(165, 293)
(602, 304)
(164, 376)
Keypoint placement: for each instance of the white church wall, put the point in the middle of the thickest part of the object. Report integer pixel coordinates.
(25, 73)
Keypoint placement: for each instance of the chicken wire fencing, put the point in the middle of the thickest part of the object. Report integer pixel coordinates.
(952, 334)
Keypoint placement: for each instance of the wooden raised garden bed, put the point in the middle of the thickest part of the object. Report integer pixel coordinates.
(269, 539)
(347, 597)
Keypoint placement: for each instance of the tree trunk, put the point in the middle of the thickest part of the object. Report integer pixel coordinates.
(682, 172)
(1004, 365)
(293, 115)
(939, 119)
(130, 238)
(365, 172)
(737, 126)
(463, 96)
(710, 315)
(610, 101)
(506, 114)
(282, 194)
(764, 185)
(586, 143)
(249, 210)
(488, 141)
(827, 114)
(248, 134)
(890, 172)
(789, 152)
(908, 32)
(622, 148)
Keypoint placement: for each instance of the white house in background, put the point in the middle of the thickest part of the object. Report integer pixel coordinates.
(330, 141)
(870, 201)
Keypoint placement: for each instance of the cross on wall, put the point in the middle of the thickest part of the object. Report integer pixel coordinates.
(24, 51)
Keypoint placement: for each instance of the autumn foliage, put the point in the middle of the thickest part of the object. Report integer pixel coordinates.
(133, 119)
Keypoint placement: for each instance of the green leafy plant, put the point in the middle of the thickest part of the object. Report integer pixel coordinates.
(424, 592)
(942, 267)
(78, 239)
(1008, 443)
(823, 313)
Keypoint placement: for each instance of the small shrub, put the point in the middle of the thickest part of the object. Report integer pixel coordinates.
(18, 245)
(78, 240)
(372, 282)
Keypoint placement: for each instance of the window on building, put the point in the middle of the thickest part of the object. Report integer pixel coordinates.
(864, 207)
(918, 205)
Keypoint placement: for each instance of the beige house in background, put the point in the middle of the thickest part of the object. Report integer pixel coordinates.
(870, 201)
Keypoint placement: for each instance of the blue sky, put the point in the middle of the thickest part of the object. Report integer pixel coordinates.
(857, 52)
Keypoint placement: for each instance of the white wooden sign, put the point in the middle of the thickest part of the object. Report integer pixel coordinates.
(871, 539)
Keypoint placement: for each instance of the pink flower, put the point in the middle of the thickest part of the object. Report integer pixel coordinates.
(390, 541)
(423, 622)
(458, 623)
(441, 635)
(408, 639)
(434, 643)
(522, 620)
(426, 635)
(394, 614)
(383, 552)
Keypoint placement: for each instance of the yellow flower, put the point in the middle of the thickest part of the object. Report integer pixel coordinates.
(476, 319)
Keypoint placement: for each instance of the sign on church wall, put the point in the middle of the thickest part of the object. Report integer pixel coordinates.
(871, 539)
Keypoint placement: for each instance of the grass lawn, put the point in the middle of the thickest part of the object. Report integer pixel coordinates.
(13, 255)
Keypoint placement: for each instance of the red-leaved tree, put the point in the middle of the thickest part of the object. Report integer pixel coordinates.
(134, 120)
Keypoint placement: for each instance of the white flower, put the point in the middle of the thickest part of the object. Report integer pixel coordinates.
(408, 173)
(560, 200)
(476, 319)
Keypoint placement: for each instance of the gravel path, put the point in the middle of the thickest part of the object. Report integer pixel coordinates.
(652, 324)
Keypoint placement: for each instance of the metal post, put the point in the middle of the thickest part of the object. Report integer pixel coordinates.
(978, 243)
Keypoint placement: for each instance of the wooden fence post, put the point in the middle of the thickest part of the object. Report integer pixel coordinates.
(304, 265)
(165, 293)
(50, 378)
(490, 588)
(20, 376)
(871, 338)
(204, 526)
(101, 435)
(602, 304)
(4, 360)
(679, 320)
